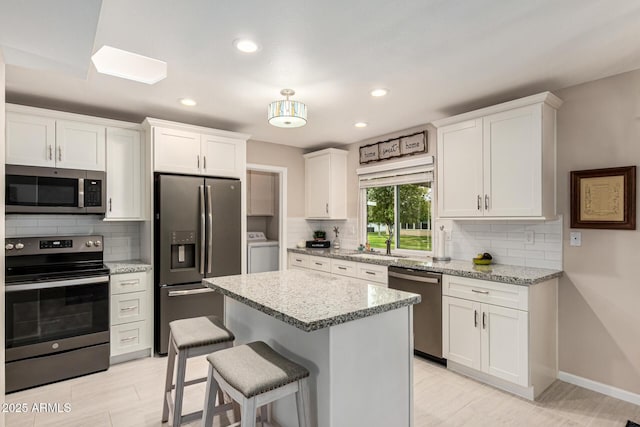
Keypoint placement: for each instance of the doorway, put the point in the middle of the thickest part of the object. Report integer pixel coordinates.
(267, 211)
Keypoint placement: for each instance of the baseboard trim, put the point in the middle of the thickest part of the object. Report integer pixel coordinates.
(605, 389)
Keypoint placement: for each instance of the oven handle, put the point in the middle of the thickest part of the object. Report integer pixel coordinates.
(57, 284)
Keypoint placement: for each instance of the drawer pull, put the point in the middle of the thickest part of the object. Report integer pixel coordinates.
(319, 263)
(480, 292)
(127, 339)
(342, 268)
(373, 273)
(130, 282)
(298, 260)
(130, 308)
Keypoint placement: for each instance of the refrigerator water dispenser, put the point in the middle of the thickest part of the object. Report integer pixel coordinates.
(183, 250)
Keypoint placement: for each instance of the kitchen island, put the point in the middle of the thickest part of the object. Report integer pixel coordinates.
(355, 339)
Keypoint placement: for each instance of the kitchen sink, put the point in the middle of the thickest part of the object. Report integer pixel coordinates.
(374, 256)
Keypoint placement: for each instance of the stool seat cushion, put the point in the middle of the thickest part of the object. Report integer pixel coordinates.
(199, 331)
(255, 368)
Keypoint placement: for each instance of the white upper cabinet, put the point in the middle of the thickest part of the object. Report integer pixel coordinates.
(125, 175)
(325, 184)
(191, 150)
(31, 140)
(42, 141)
(80, 146)
(499, 162)
(222, 156)
(176, 151)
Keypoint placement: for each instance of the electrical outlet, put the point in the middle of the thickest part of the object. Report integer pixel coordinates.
(529, 237)
(447, 235)
(575, 238)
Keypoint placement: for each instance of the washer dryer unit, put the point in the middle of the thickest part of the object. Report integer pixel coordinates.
(262, 254)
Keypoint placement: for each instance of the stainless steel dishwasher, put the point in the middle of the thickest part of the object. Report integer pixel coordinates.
(427, 315)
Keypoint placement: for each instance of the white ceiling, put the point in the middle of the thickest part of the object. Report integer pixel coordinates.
(438, 58)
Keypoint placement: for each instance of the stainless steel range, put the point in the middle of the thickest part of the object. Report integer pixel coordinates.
(57, 309)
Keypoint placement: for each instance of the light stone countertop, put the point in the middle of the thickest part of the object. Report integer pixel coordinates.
(132, 266)
(310, 300)
(512, 274)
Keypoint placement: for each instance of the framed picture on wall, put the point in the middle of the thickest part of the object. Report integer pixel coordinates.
(604, 198)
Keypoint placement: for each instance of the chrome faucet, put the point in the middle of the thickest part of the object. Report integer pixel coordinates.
(388, 242)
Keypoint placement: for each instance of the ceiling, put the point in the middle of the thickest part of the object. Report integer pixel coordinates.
(437, 57)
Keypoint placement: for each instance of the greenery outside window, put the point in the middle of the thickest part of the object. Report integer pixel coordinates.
(405, 210)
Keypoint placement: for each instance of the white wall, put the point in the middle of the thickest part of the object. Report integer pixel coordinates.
(121, 238)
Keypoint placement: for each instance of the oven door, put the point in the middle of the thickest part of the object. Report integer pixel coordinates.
(49, 317)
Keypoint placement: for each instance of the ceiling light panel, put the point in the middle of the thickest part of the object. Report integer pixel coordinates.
(361, 125)
(188, 102)
(128, 65)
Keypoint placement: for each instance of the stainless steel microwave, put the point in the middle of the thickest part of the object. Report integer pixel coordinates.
(30, 189)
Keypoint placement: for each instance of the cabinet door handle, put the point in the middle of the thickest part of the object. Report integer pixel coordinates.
(59, 153)
(326, 208)
(129, 282)
(50, 152)
(480, 292)
(204, 161)
(110, 204)
(475, 318)
(486, 202)
(484, 320)
(198, 160)
(479, 202)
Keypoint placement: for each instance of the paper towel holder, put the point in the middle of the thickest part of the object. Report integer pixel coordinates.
(441, 256)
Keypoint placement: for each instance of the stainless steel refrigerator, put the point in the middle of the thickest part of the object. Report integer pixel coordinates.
(197, 227)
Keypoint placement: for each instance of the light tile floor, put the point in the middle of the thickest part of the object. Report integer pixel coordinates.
(130, 395)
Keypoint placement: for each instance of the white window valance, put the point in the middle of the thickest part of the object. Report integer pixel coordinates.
(411, 171)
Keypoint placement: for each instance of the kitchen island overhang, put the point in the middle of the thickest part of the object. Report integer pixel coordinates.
(356, 339)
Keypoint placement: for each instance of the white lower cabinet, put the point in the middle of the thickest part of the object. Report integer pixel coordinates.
(131, 316)
(359, 272)
(500, 333)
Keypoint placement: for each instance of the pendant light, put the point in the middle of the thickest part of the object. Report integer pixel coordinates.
(286, 113)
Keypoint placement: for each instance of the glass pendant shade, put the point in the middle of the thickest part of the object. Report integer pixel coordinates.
(286, 113)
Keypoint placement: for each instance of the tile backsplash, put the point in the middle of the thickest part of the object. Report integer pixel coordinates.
(505, 240)
(302, 229)
(121, 239)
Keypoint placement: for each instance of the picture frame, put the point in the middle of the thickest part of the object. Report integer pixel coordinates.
(604, 198)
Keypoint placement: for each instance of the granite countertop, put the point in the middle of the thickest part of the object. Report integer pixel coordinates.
(513, 274)
(130, 266)
(310, 300)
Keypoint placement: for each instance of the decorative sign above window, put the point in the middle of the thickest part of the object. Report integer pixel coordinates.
(397, 147)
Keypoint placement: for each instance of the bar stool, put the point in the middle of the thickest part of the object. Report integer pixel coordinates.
(255, 375)
(190, 338)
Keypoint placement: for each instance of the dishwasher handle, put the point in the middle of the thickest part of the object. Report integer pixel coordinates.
(423, 279)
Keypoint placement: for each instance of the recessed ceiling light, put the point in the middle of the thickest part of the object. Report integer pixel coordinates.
(129, 65)
(188, 102)
(246, 45)
(361, 125)
(379, 92)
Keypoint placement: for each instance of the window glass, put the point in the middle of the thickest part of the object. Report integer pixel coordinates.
(410, 204)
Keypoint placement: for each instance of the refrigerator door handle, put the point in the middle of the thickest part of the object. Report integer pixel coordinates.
(202, 229)
(209, 228)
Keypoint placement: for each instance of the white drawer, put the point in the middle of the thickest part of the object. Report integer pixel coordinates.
(496, 293)
(344, 268)
(372, 272)
(320, 263)
(127, 308)
(129, 337)
(298, 260)
(128, 282)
